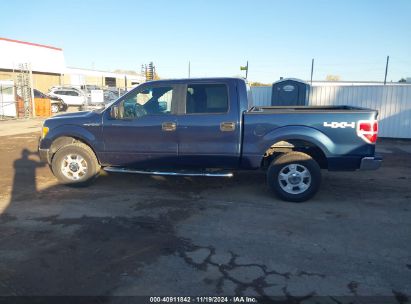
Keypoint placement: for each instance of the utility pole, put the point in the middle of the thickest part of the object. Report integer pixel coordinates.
(245, 68)
(312, 70)
(386, 70)
(189, 69)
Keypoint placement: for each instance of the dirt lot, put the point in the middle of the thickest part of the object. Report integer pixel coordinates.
(142, 235)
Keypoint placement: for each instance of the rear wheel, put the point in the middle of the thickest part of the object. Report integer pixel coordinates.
(294, 176)
(75, 164)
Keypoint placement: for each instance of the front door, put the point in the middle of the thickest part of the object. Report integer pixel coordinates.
(144, 133)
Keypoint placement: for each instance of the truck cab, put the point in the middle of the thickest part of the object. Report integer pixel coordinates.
(194, 123)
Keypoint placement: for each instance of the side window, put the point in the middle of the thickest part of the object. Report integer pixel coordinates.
(147, 101)
(207, 98)
(60, 92)
(73, 93)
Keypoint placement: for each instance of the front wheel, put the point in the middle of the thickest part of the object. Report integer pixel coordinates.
(294, 176)
(75, 164)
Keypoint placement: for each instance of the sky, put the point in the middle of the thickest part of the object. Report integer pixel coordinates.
(347, 38)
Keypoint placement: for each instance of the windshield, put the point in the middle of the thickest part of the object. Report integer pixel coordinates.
(109, 104)
(100, 110)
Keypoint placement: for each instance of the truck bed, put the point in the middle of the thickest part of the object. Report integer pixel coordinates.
(277, 109)
(332, 128)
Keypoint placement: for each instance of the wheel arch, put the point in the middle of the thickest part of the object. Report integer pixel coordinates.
(65, 140)
(297, 138)
(297, 145)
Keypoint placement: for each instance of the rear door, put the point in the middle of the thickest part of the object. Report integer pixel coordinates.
(208, 127)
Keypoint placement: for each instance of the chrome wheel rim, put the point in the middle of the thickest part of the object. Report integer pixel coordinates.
(294, 178)
(74, 167)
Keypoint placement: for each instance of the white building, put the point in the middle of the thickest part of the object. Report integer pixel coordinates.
(48, 67)
(79, 77)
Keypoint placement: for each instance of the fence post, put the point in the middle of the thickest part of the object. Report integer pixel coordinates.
(33, 105)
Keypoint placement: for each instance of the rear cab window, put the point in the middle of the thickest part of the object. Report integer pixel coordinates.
(206, 98)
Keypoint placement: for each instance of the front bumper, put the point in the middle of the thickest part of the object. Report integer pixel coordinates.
(43, 153)
(371, 163)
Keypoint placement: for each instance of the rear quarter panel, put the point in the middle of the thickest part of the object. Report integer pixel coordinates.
(261, 130)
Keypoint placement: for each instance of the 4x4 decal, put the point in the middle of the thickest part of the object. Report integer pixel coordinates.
(342, 124)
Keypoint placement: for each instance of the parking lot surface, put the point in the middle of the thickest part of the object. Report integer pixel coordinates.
(145, 235)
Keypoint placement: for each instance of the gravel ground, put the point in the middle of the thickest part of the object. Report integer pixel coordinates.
(157, 236)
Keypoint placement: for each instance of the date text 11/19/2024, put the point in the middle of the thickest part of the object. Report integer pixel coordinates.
(204, 299)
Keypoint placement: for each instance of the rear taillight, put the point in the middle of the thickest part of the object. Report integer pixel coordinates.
(368, 130)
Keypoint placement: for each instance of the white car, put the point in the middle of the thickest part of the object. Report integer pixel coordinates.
(70, 96)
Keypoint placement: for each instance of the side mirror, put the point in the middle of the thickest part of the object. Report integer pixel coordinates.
(163, 106)
(114, 113)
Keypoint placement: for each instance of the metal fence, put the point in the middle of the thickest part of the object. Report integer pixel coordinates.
(393, 103)
(261, 96)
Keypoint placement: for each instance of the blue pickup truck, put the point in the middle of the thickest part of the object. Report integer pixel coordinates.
(209, 127)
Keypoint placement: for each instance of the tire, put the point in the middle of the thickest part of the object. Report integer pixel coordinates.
(75, 164)
(294, 177)
(54, 108)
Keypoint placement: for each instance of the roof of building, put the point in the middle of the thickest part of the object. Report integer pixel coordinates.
(99, 73)
(38, 57)
(31, 43)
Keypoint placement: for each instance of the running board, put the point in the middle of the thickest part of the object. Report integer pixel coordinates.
(168, 173)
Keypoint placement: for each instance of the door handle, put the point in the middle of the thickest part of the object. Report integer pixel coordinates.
(168, 126)
(227, 126)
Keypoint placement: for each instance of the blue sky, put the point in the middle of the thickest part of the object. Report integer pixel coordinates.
(347, 38)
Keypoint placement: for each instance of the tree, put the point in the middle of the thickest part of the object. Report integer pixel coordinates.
(259, 84)
(402, 80)
(333, 78)
(156, 76)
